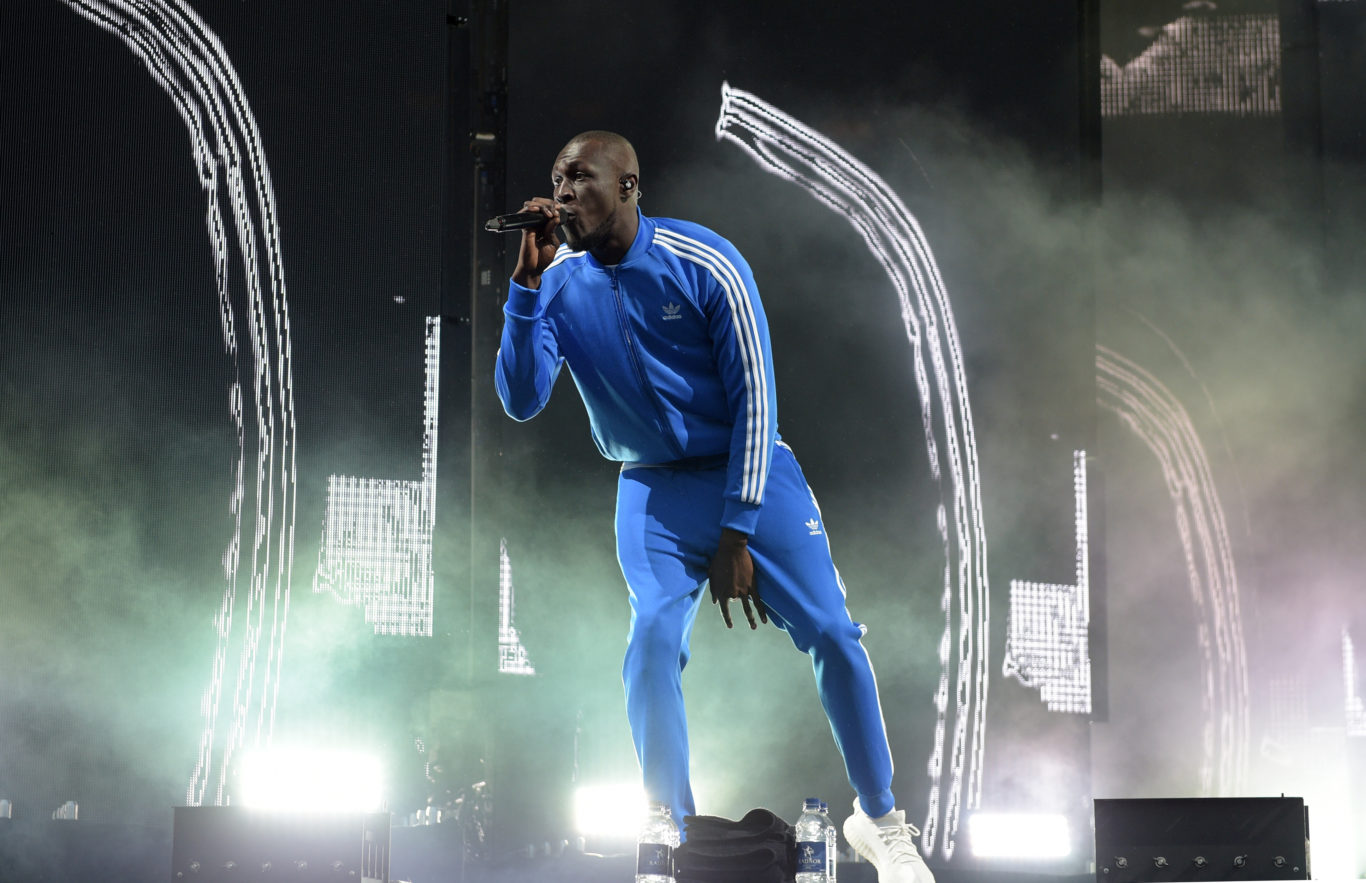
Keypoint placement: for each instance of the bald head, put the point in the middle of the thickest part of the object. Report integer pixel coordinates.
(615, 150)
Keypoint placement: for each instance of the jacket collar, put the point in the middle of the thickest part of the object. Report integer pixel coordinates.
(645, 235)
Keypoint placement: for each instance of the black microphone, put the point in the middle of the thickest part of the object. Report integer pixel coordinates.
(515, 221)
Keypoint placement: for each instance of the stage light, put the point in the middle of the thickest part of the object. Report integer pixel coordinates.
(376, 550)
(1152, 412)
(67, 812)
(1019, 835)
(614, 811)
(187, 61)
(310, 780)
(784, 147)
(1048, 632)
(512, 656)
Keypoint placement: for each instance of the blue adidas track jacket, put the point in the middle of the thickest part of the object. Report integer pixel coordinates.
(669, 350)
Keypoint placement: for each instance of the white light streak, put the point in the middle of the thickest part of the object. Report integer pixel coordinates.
(312, 780)
(1325, 779)
(1158, 418)
(188, 62)
(512, 656)
(376, 550)
(786, 148)
(1019, 835)
(615, 811)
(1048, 634)
(1209, 64)
(1355, 709)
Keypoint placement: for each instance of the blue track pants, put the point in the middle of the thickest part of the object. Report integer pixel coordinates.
(668, 527)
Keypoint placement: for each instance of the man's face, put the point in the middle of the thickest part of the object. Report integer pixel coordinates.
(587, 189)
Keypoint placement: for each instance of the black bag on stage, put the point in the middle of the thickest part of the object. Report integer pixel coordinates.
(760, 848)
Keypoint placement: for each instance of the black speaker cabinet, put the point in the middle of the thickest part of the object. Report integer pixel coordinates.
(229, 844)
(1210, 838)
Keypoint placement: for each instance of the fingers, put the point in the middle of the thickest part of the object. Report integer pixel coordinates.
(759, 603)
(744, 596)
(759, 608)
(749, 612)
(550, 210)
(540, 204)
(718, 598)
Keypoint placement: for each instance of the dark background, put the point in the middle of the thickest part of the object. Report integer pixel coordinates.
(1233, 238)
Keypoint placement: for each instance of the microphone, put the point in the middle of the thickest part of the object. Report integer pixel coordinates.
(514, 222)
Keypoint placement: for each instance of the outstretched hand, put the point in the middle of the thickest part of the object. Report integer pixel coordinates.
(731, 575)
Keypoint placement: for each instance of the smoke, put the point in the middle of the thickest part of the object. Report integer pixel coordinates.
(1228, 305)
(97, 594)
(1225, 300)
(111, 482)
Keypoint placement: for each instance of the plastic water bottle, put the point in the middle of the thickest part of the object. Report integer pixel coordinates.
(811, 843)
(655, 846)
(832, 844)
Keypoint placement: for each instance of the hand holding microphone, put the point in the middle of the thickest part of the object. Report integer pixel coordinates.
(537, 222)
(533, 214)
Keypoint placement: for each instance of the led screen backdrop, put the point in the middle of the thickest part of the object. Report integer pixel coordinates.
(181, 442)
(236, 407)
(1229, 395)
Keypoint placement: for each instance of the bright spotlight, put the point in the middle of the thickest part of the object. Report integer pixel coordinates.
(613, 811)
(1019, 835)
(311, 780)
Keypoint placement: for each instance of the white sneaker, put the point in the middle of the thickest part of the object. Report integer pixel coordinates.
(888, 846)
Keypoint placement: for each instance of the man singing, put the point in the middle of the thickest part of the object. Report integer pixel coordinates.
(661, 326)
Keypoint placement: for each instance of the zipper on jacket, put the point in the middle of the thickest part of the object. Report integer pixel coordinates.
(646, 388)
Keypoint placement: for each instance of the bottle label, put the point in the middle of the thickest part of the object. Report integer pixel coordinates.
(811, 857)
(656, 859)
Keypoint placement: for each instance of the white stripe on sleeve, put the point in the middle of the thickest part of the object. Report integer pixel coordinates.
(757, 416)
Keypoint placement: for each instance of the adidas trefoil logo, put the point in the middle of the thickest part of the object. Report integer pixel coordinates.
(672, 311)
(814, 526)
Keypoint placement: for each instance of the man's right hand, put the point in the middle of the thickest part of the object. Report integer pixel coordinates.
(538, 244)
(731, 575)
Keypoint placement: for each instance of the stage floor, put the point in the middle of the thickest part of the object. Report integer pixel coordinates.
(621, 869)
(43, 851)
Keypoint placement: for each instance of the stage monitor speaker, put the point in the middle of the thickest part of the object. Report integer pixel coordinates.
(1210, 838)
(229, 844)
